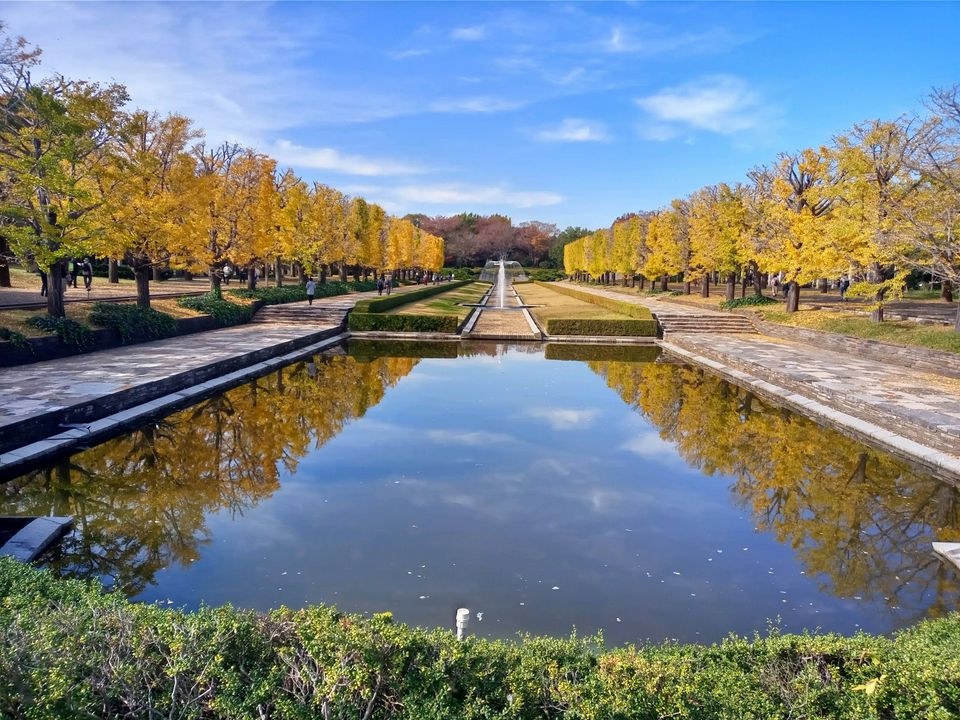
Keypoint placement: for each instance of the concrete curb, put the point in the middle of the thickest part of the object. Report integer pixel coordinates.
(31, 540)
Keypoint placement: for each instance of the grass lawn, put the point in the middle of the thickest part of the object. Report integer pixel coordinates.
(556, 305)
(937, 337)
(448, 303)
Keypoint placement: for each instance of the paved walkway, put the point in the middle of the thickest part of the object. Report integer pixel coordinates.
(104, 290)
(510, 323)
(32, 391)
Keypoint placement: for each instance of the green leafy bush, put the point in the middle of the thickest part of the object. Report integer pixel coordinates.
(630, 327)
(462, 273)
(132, 321)
(68, 650)
(546, 274)
(222, 310)
(382, 322)
(387, 302)
(18, 340)
(624, 308)
(69, 331)
(750, 301)
(273, 295)
(362, 285)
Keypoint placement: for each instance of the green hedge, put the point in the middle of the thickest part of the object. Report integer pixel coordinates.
(69, 651)
(585, 326)
(132, 321)
(624, 308)
(224, 311)
(69, 331)
(272, 295)
(749, 301)
(387, 302)
(381, 322)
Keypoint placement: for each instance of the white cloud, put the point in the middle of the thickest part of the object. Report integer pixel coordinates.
(475, 438)
(574, 130)
(564, 418)
(461, 195)
(720, 103)
(649, 39)
(475, 32)
(476, 104)
(412, 52)
(299, 156)
(649, 445)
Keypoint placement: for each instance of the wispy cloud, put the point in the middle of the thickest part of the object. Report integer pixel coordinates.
(465, 195)
(475, 104)
(648, 39)
(409, 53)
(574, 130)
(720, 103)
(474, 438)
(564, 418)
(474, 32)
(300, 156)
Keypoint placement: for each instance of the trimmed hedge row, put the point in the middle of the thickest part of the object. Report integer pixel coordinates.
(67, 650)
(223, 311)
(584, 326)
(381, 322)
(629, 309)
(133, 322)
(388, 302)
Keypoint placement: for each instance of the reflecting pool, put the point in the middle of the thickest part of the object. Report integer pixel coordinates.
(623, 493)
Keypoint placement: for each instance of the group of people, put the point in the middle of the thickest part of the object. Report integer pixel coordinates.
(843, 284)
(384, 285)
(71, 270)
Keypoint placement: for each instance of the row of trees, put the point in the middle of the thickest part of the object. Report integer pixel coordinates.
(79, 176)
(471, 239)
(876, 203)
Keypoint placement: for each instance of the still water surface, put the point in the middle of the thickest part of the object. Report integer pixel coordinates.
(645, 499)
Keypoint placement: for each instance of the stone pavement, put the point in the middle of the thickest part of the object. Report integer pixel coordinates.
(84, 387)
(512, 323)
(921, 406)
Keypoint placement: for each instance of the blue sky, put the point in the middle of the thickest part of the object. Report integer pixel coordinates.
(568, 113)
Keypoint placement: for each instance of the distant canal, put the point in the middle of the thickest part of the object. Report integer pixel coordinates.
(626, 494)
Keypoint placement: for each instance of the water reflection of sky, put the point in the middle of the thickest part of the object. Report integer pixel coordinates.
(524, 489)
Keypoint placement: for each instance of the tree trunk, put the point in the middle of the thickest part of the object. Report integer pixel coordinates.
(141, 274)
(664, 280)
(55, 290)
(643, 281)
(793, 296)
(744, 281)
(156, 273)
(731, 286)
(956, 322)
(757, 280)
(877, 313)
(822, 285)
(705, 286)
(215, 281)
(343, 272)
(252, 277)
(4, 263)
(946, 291)
(356, 273)
(187, 275)
(112, 273)
(686, 287)
(278, 272)
(323, 274)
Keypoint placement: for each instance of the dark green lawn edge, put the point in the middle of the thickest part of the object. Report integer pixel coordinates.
(67, 650)
(388, 302)
(628, 327)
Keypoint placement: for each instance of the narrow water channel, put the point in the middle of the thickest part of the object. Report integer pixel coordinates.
(643, 498)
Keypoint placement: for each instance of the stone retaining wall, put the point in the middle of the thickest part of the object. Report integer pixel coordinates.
(918, 358)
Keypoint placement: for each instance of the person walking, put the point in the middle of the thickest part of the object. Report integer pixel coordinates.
(844, 286)
(87, 269)
(389, 285)
(71, 273)
(43, 281)
(311, 289)
(380, 285)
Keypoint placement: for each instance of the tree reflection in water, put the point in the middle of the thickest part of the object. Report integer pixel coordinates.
(860, 520)
(140, 501)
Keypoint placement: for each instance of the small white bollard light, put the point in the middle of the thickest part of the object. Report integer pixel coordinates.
(463, 618)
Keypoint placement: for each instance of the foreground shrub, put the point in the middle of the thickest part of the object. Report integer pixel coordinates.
(273, 295)
(618, 306)
(222, 310)
(628, 327)
(546, 274)
(402, 323)
(751, 301)
(69, 331)
(18, 340)
(132, 321)
(67, 650)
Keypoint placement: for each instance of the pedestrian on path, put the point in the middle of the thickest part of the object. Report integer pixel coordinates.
(43, 281)
(844, 286)
(389, 284)
(380, 285)
(311, 289)
(87, 270)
